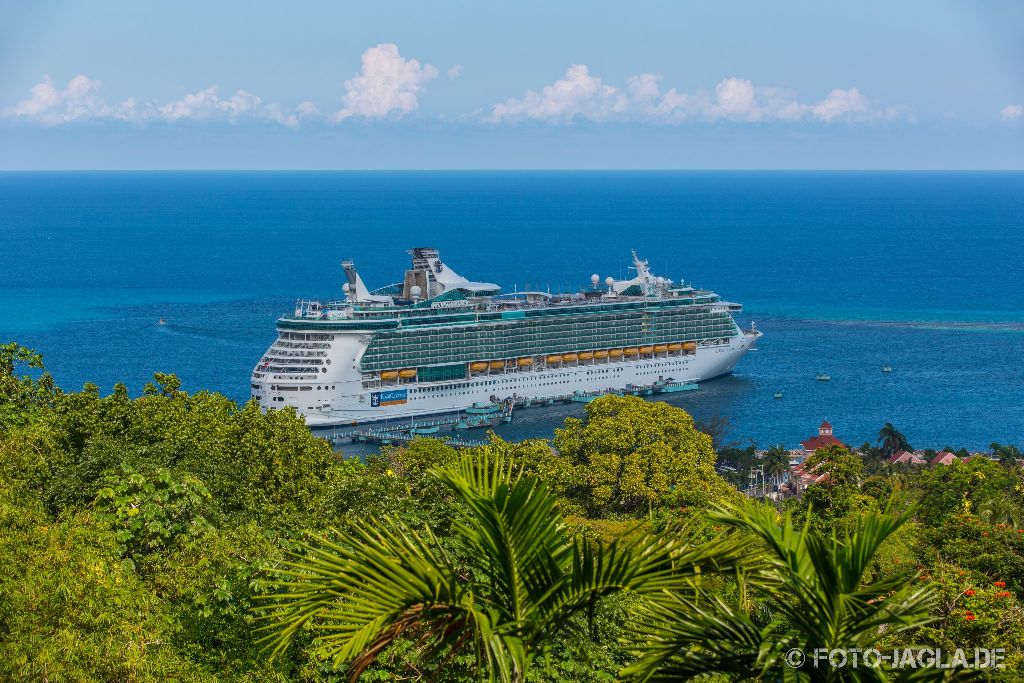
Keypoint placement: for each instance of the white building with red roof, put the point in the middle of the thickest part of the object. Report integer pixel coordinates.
(822, 440)
(802, 476)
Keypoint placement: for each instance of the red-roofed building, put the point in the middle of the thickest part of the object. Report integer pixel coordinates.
(944, 458)
(823, 439)
(801, 477)
(906, 458)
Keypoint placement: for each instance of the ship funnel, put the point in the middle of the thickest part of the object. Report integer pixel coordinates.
(356, 290)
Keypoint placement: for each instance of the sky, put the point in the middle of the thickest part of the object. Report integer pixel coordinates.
(531, 84)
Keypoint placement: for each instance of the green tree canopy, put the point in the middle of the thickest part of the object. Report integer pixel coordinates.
(630, 454)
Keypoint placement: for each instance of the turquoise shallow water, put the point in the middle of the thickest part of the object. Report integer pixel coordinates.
(842, 271)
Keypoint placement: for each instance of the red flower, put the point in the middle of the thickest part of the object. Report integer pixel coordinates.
(1003, 594)
(1000, 584)
(969, 616)
(985, 534)
(969, 592)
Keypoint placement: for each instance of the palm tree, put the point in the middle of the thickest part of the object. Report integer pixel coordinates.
(822, 596)
(892, 440)
(382, 579)
(776, 463)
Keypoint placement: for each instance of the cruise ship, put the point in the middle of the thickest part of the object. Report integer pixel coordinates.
(439, 343)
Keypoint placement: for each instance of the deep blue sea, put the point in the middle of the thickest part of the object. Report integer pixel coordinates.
(843, 272)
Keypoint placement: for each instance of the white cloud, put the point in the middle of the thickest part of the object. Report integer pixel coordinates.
(577, 95)
(387, 85)
(735, 99)
(207, 105)
(455, 72)
(580, 95)
(78, 101)
(81, 101)
(840, 103)
(306, 110)
(1012, 112)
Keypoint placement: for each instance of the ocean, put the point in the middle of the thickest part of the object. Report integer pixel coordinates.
(843, 272)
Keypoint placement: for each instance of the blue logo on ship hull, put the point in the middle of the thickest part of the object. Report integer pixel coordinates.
(389, 398)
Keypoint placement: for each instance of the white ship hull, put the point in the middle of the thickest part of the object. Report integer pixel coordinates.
(340, 395)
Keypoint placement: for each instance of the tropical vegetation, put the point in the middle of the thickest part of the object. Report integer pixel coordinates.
(180, 536)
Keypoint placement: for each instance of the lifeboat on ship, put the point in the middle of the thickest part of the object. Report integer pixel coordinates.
(524, 362)
(389, 375)
(630, 351)
(497, 365)
(587, 355)
(646, 350)
(553, 359)
(569, 358)
(660, 348)
(690, 347)
(600, 355)
(407, 373)
(479, 366)
(615, 353)
(675, 347)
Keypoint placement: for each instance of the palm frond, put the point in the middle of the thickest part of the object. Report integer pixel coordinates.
(821, 598)
(684, 639)
(514, 525)
(365, 588)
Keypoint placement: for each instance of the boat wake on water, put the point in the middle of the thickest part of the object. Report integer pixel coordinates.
(966, 326)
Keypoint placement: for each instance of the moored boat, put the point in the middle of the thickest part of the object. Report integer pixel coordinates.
(436, 343)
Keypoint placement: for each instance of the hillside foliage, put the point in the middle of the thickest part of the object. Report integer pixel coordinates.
(181, 536)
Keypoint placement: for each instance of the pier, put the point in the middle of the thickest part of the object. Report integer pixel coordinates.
(403, 431)
(388, 436)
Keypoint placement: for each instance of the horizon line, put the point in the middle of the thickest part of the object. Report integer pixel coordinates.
(512, 170)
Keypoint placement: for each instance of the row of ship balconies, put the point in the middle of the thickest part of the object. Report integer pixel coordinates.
(548, 361)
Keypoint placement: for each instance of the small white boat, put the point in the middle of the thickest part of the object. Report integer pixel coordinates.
(886, 368)
(162, 322)
(822, 377)
(778, 394)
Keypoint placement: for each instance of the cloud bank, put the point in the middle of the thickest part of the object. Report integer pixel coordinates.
(579, 95)
(1012, 112)
(390, 86)
(80, 100)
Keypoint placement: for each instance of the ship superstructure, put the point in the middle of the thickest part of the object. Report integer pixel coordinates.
(438, 343)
